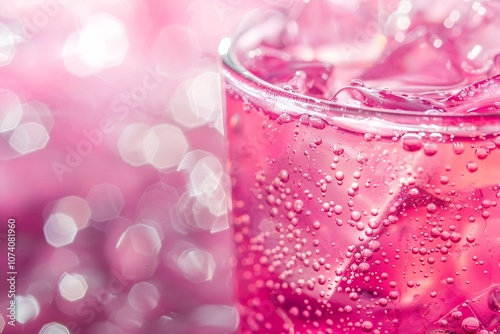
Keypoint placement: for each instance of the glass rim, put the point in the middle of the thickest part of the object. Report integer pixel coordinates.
(227, 52)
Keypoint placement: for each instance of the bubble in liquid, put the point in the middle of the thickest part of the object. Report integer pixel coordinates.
(411, 142)
(431, 207)
(316, 225)
(481, 152)
(374, 245)
(367, 326)
(472, 166)
(470, 324)
(361, 157)
(356, 216)
(338, 149)
(283, 175)
(298, 205)
(458, 147)
(457, 315)
(430, 149)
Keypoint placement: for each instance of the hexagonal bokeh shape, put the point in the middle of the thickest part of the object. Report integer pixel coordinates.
(145, 239)
(137, 250)
(73, 287)
(60, 230)
(11, 110)
(28, 309)
(183, 107)
(130, 144)
(101, 43)
(206, 95)
(7, 48)
(75, 207)
(196, 265)
(105, 201)
(165, 146)
(54, 328)
(143, 297)
(38, 112)
(29, 137)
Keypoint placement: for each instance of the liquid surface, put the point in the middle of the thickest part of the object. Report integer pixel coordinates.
(341, 231)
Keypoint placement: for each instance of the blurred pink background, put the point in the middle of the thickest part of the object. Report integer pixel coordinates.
(112, 164)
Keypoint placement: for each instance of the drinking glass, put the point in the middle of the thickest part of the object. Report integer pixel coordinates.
(364, 158)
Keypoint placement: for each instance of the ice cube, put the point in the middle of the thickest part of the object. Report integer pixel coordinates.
(398, 68)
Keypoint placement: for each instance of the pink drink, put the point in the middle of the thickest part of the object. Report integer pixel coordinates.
(360, 209)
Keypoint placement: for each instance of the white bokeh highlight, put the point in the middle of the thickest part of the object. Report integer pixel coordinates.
(75, 207)
(72, 287)
(29, 137)
(196, 265)
(7, 48)
(27, 308)
(102, 43)
(11, 110)
(105, 201)
(165, 146)
(130, 144)
(143, 297)
(60, 230)
(54, 328)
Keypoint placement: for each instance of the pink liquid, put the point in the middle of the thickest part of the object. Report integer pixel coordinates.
(345, 227)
